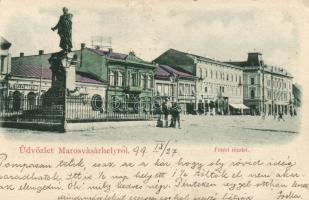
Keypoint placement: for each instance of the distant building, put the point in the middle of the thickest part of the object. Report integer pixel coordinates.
(267, 89)
(218, 87)
(176, 85)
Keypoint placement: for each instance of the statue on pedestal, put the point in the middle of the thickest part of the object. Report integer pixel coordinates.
(64, 27)
(62, 64)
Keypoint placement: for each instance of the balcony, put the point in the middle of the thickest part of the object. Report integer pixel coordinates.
(135, 89)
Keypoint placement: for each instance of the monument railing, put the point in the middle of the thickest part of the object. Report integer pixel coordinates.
(77, 109)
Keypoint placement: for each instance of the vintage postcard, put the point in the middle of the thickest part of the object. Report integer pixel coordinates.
(154, 100)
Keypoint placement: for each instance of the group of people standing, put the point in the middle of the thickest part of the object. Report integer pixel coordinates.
(169, 108)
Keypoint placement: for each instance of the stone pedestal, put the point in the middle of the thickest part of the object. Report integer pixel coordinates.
(63, 74)
(63, 83)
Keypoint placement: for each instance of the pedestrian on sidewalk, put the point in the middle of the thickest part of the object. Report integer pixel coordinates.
(175, 111)
(280, 116)
(165, 111)
(158, 111)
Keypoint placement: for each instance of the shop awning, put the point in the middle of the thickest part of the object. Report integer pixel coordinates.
(238, 106)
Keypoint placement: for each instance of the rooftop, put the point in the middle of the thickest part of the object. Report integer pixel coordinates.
(118, 56)
(165, 71)
(267, 68)
(203, 58)
(34, 71)
(4, 44)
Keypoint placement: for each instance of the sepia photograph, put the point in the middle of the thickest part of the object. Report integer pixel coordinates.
(153, 87)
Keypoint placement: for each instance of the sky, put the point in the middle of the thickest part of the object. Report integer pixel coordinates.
(221, 31)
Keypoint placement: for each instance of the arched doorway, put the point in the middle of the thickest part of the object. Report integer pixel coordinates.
(31, 100)
(17, 101)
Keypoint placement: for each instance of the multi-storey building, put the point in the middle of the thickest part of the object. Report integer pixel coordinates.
(267, 89)
(218, 87)
(176, 85)
(130, 79)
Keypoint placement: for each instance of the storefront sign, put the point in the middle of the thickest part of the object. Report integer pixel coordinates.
(23, 87)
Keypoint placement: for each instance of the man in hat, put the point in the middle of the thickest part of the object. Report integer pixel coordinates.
(175, 112)
(165, 111)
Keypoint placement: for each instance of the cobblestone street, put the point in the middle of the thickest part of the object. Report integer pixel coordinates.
(240, 130)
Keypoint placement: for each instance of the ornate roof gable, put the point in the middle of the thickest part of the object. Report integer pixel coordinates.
(132, 58)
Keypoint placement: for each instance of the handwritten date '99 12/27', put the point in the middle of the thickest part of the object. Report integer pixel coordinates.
(162, 148)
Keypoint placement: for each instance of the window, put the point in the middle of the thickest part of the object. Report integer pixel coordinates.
(205, 72)
(252, 81)
(210, 73)
(2, 64)
(133, 79)
(192, 89)
(165, 90)
(120, 79)
(116, 78)
(206, 89)
(181, 89)
(111, 78)
(227, 77)
(144, 81)
(149, 84)
(159, 89)
(216, 75)
(252, 94)
(187, 89)
(96, 102)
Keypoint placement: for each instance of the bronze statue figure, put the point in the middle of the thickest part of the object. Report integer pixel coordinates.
(64, 27)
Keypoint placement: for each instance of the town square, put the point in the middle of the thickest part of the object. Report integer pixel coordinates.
(93, 85)
(154, 100)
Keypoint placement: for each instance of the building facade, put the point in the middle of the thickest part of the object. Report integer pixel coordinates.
(267, 89)
(29, 77)
(218, 87)
(130, 79)
(175, 85)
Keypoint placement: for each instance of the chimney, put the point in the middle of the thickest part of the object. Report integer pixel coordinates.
(41, 52)
(82, 46)
(21, 54)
